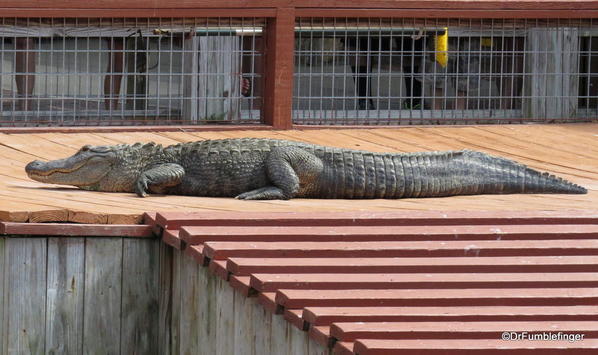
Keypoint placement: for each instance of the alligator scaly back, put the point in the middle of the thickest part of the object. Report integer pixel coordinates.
(280, 169)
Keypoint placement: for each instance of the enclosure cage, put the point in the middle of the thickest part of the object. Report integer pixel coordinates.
(372, 71)
(130, 71)
(404, 71)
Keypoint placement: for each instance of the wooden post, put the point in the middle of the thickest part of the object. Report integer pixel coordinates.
(278, 86)
(552, 83)
(190, 70)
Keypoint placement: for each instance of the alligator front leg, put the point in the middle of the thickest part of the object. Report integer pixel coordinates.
(291, 170)
(158, 178)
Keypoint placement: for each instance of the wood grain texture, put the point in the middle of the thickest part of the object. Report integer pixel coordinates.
(224, 296)
(175, 334)
(165, 298)
(64, 295)
(280, 335)
(207, 306)
(192, 321)
(552, 64)
(263, 333)
(103, 291)
(245, 327)
(278, 95)
(26, 306)
(314, 348)
(139, 309)
(73, 230)
(3, 291)
(298, 341)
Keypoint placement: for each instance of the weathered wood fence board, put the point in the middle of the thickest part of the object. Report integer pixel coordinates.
(103, 275)
(139, 309)
(2, 288)
(165, 301)
(64, 295)
(27, 295)
(212, 318)
(74, 295)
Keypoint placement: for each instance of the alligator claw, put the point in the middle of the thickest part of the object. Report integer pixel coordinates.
(141, 187)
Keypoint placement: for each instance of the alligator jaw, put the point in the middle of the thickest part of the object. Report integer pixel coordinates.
(81, 169)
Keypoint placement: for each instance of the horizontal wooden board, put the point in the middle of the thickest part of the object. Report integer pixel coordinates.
(328, 315)
(247, 266)
(351, 331)
(200, 235)
(174, 220)
(223, 250)
(81, 230)
(474, 346)
(340, 281)
(458, 297)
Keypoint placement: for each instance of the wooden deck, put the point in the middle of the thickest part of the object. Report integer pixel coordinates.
(569, 151)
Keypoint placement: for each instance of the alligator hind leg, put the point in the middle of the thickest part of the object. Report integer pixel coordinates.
(291, 170)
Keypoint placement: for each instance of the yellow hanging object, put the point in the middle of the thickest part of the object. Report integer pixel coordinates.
(487, 42)
(441, 48)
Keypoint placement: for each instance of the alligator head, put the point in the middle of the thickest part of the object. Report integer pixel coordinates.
(101, 168)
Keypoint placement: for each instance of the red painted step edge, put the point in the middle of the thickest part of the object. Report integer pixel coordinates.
(223, 250)
(574, 263)
(438, 297)
(174, 220)
(472, 346)
(198, 235)
(328, 315)
(352, 331)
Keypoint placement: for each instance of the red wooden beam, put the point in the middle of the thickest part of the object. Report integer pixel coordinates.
(473, 346)
(162, 5)
(559, 263)
(327, 315)
(176, 220)
(199, 235)
(437, 297)
(279, 57)
(146, 12)
(351, 331)
(446, 13)
(75, 230)
(224, 250)
(114, 129)
(344, 281)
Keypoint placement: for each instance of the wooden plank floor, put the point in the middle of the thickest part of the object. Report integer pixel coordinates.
(570, 151)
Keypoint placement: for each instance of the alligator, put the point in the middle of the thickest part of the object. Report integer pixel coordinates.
(267, 169)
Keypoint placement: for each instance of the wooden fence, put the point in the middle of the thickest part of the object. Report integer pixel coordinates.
(70, 295)
(98, 295)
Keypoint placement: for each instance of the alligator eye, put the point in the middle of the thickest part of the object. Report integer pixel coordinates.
(85, 148)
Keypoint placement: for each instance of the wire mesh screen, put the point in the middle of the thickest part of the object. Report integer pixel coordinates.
(130, 71)
(417, 71)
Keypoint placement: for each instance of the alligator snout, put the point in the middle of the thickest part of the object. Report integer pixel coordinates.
(35, 165)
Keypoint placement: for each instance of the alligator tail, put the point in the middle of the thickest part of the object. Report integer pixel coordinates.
(472, 173)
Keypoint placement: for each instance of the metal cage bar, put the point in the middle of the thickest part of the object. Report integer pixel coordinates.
(444, 71)
(119, 71)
